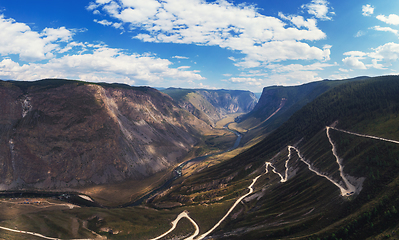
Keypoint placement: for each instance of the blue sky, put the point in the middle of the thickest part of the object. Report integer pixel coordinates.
(196, 43)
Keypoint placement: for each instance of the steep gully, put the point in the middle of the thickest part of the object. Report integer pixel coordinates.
(345, 191)
(282, 103)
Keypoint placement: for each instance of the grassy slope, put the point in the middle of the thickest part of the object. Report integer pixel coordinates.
(297, 97)
(369, 107)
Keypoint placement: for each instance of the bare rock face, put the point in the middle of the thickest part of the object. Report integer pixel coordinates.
(57, 133)
(230, 101)
(213, 105)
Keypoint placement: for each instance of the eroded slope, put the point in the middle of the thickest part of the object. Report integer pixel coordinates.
(58, 133)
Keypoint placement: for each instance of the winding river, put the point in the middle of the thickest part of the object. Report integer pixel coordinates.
(177, 172)
(77, 199)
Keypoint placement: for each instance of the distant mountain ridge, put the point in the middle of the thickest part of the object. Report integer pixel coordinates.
(278, 103)
(213, 105)
(62, 133)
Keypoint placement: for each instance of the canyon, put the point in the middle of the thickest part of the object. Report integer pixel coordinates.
(328, 171)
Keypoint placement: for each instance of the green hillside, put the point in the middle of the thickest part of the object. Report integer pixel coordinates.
(278, 103)
(307, 205)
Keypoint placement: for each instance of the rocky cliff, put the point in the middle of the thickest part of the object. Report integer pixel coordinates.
(280, 102)
(213, 105)
(59, 133)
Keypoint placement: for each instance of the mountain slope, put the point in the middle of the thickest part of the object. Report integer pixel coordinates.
(213, 105)
(278, 103)
(59, 133)
(303, 168)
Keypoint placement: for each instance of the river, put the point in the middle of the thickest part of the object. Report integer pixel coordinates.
(76, 199)
(177, 172)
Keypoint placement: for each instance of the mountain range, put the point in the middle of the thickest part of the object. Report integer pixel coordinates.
(213, 105)
(324, 165)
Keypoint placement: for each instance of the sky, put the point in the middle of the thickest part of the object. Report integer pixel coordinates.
(213, 44)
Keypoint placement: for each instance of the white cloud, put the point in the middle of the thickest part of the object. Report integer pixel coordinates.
(375, 64)
(355, 54)
(85, 61)
(92, 6)
(293, 78)
(367, 10)
(108, 23)
(386, 53)
(380, 58)
(249, 81)
(18, 38)
(103, 22)
(104, 63)
(180, 57)
(354, 62)
(277, 51)
(319, 8)
(299, 67)
(221, 23)
(184, 67)
(278, 74)
(360, 33)
(232, 59)
(392, 19)
(60, 34)
(385, 29)
(343, 70)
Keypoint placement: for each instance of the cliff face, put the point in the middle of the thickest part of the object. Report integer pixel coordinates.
(278, 103)
(268, 103)
(230, 101)
(56, 134)
(212, 105)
